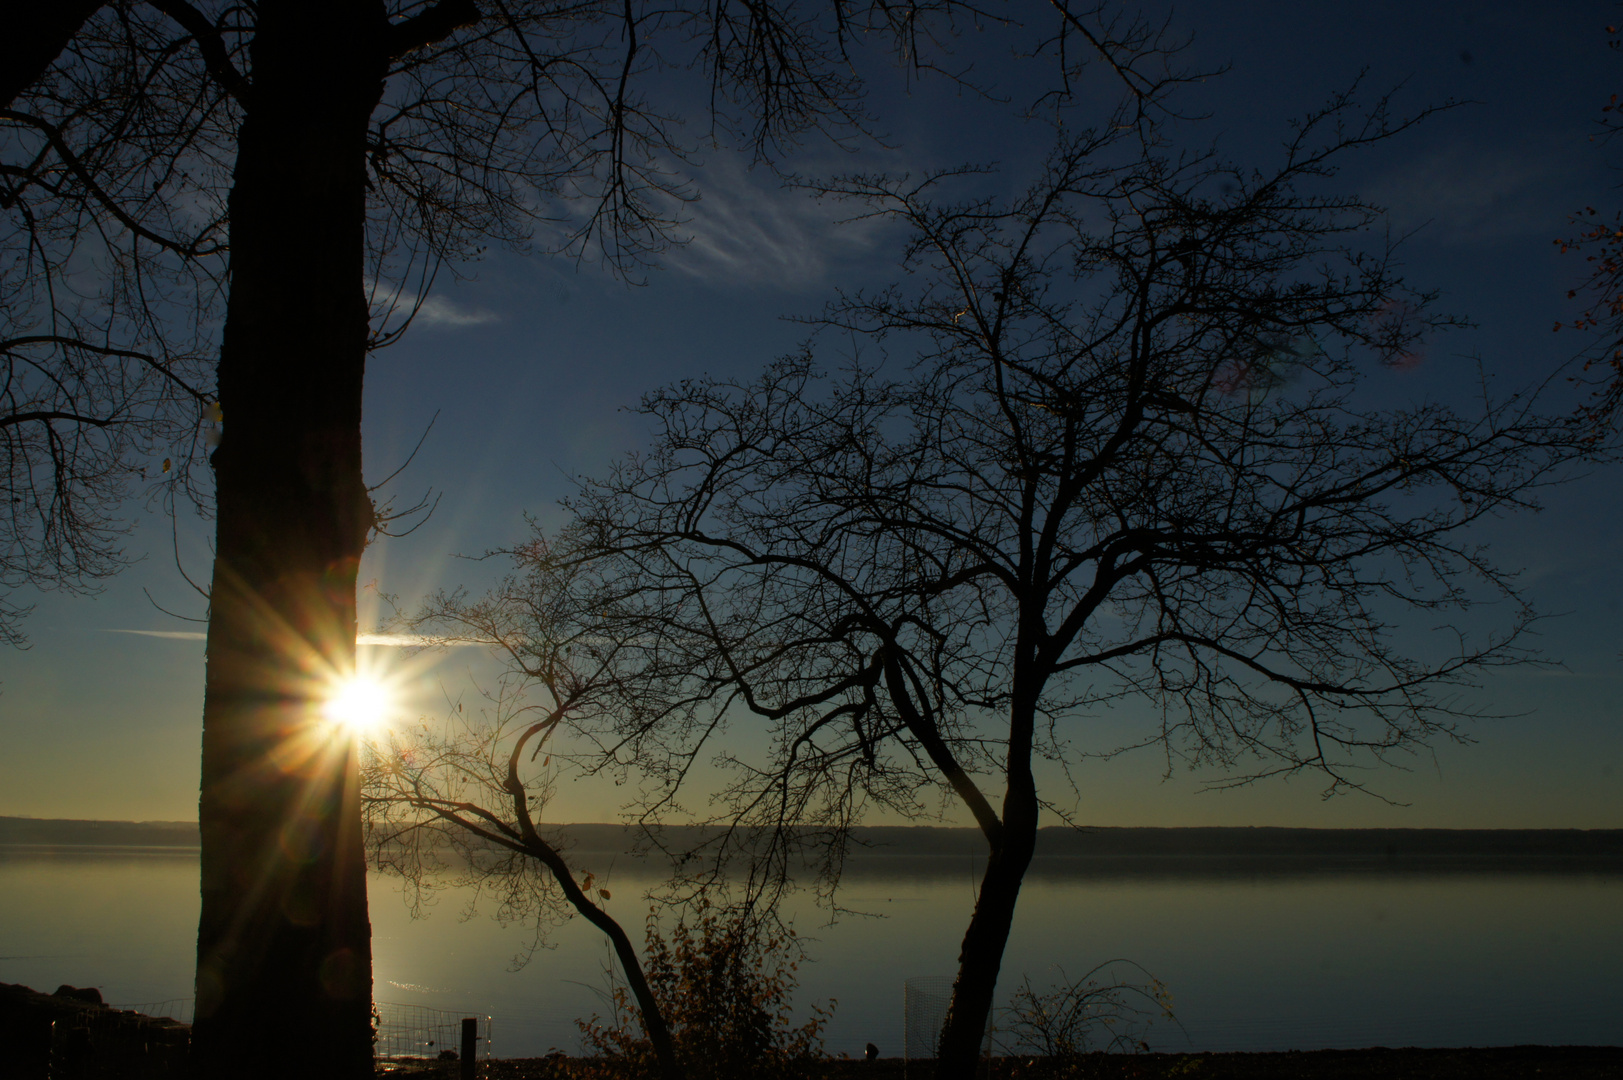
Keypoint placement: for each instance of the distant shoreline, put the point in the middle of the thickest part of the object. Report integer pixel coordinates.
(68, 832)
(1262, 843)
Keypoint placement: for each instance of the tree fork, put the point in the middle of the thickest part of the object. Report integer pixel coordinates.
(284, 929)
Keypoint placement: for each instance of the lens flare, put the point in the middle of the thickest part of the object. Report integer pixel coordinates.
(361, 704)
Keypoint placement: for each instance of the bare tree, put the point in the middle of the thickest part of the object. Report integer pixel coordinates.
(466, 800)
(114, 251)
(1138, 458)
(336, 153)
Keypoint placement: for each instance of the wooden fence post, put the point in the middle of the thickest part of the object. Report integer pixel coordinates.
(470, 1043)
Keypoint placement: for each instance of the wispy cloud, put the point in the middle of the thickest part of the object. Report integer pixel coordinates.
(173, 635)
(440, 311)
(397, 640)
(1468, 195)
(391, 302)
(748, 228)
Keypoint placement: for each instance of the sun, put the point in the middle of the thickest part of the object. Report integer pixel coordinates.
(361, 704)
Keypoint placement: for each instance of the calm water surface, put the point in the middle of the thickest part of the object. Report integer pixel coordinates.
(1255, 960)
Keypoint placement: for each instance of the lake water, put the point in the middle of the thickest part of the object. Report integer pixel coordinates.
(1259, 959)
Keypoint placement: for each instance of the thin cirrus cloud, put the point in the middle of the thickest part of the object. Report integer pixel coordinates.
(172, 635)
(440, 311)
(398, 640)
(747, 227)
(1462, 194)
(389, 300)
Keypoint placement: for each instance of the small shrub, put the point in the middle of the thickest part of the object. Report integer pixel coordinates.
(1051, 1032)
(726, 988)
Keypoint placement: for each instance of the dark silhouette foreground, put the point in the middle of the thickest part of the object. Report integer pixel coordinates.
(1495, 1063)
(36, 1048)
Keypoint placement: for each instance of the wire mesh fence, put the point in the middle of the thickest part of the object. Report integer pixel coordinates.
(924, 1009)
(177, 1009)
(422, 1032)
(925, 999)
(402, 1030)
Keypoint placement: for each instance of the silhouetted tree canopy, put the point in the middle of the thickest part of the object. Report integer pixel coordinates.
(281, 182)
(1120, 445)
(112, 211)
(118, 127)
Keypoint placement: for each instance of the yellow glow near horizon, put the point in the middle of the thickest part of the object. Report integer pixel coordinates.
(361, 704)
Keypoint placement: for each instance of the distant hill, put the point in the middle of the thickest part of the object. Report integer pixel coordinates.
(67, 832)
(1063, 842)
(1060, 841)
(1264, 844)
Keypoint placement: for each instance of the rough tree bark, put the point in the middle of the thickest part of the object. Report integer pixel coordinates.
(284, 928)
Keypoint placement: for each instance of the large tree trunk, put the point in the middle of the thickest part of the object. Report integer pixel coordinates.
(981, 957)
(284, 970)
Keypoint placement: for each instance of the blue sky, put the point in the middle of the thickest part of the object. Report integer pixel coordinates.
(530, 361)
